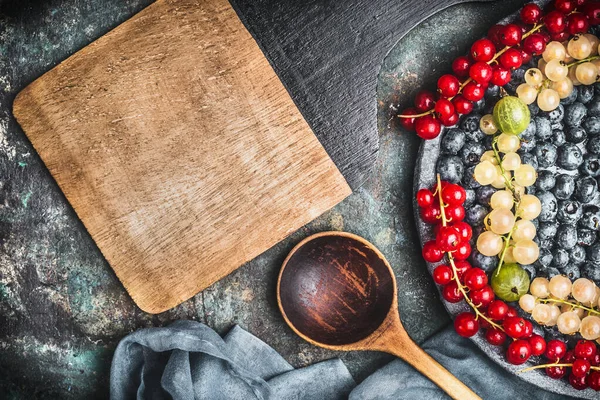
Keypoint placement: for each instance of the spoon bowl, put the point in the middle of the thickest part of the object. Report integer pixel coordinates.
(336, 290)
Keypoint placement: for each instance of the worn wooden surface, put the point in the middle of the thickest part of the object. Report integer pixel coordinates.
(175, 143)
(62, 310)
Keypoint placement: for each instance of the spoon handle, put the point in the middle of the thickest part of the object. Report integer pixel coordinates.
(410, 352)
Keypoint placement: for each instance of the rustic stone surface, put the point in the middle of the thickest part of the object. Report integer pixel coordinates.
(62, 310)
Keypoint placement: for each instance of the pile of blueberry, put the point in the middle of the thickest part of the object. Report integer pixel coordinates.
(564, 147)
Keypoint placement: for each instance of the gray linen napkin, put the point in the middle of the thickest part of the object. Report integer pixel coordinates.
(188, 360)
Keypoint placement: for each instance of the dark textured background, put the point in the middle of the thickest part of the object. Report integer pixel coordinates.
(62, 310)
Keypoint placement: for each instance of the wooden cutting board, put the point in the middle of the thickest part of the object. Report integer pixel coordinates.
(179, 148)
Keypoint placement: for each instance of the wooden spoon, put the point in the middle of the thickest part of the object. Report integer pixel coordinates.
(336, 290)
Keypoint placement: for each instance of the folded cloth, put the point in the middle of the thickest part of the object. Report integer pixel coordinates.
(188, 360)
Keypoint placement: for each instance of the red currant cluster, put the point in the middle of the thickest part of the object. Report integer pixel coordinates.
(491, 60)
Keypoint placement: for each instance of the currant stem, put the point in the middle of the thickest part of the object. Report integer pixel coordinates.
(416, 115)
(552, 365)
(453, 265)
(573, 305)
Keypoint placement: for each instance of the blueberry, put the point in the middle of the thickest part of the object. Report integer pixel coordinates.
(546, 154)
(557, 114)
(560, 258)
(566, 236)
(534, 109)
(530, 269)
(543, 128)
(531, 190)
(549, 207)
(594, 107)
(593, 253)
(484, 194)
(560, 137)
(571, 271)
(591, 165)
(527, 145)
(450, 168)
(478, 260)
(590, 219)
(592, 125)
(469, 181)
(569, 211)
(545, 258)
(478, 106)
(518, 75)
(492, 93)
(547, 230)
(529, 132)
(585, 94)
(574, 114)
(549, 272)
(576, 134)
(586, 237)
(593, 145)
(570, 157)
(577, 255)
(545, 180)
(585, 189)
(470, 200)
(528, 158)
(543, 243)
(453, 140)
(570, 99)
(564, 187)
(557, 126)
(471, 153)
(476, 214)
(591, 271)
(470, 124)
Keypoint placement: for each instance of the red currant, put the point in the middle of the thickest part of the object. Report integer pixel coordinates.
(462, 105)
(556, 372)
(565, 6)
(444, 108)
(514, 327)
(578, 383)
(448, 85)
(465, 230)
(454, 195)
(510, 35)
(500, 75)
(494, 34)
(424, 101)
(534, 44)
(577, 23)
(497, 309)
(495, 336)
(546, 36)
(569, 357)
(455, 213)
(538, 345)
(527, 330)
(442, 274)
(465, 324)
(463, 252)
(580, 367)
(425, 198)
(512, 312)
(447, 238)
(475, 279)
(555, 21)
(431, 214)
(596, 360)
(450, 120)
(525, 55)
(594, 380)
(431, 252)
(460, 66)
(451, 294)
(408, 123)
(592, 10)
(531, 13)
(473, 91)
(427, 127)
(483, 50)
(462, 267)
(511, 59)
(560, 36)
(481, 72)
(585, 349)
(482, 297)
(518, 352)
(555, 350)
